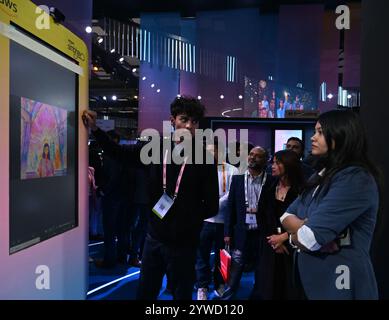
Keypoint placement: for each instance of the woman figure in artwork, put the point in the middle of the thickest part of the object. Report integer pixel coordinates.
(45, 167)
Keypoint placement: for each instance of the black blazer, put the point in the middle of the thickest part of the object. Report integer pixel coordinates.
(198, 196)
(235, 218)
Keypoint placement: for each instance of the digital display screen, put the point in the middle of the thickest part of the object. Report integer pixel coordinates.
(43, 140)
(268, 99)
(43, 148)
(282, 136)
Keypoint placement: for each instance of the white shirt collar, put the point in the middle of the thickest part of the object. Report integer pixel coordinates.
(254, 177)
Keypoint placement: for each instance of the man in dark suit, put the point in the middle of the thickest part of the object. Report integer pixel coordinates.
(296, 145)
(247, 200)
(172, 238)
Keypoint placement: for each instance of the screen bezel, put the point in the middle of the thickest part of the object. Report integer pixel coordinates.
(29, 243)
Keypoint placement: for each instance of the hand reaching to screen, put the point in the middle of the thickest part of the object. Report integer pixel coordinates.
(89, 119)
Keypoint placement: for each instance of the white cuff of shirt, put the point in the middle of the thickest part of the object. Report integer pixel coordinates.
(306, 237)
(285, 215)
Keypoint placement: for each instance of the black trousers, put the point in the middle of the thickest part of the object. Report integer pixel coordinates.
(240, 257)
(159, 259)
(115, 224)
(211, 236)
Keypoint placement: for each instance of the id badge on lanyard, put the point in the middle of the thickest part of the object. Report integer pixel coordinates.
(251, 218)
(164, 204)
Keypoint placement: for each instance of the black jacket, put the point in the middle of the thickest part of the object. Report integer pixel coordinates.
(198, 196)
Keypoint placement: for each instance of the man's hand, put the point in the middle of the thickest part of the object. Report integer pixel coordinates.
(227, 240)
(89, 119)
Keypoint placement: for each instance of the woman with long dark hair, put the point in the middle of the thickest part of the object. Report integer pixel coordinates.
(333, 221)
(45, 166)
(275, 279)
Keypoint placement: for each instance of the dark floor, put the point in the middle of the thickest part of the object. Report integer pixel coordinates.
(120, 283)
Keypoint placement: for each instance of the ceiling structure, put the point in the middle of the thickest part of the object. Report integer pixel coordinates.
(125, 9)
(110, 78)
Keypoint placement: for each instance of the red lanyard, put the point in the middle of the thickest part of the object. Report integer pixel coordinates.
(179, 176)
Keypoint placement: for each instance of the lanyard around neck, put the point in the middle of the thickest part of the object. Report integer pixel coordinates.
(224, 177)
(179, 176)
(246, 199)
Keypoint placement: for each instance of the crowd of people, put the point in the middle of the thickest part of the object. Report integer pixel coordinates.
(276, 107)
(306, 226)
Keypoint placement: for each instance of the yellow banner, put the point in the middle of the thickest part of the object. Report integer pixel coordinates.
(38, 22)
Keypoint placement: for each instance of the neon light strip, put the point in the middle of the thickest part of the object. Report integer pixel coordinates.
(117, 280)
(176, 55)
(228, 68)
(186, 55)
(95, 244)
(194, 59)
(144, 45)
(112, 282)
(233, 69)
(190, 58)
(140, 45)
(148, 46)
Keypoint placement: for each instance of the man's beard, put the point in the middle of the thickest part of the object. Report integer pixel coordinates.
(254, 165)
